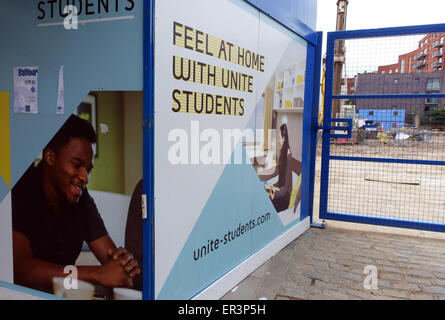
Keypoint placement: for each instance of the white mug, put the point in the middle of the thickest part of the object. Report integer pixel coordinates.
(84, 291)
(126, 294)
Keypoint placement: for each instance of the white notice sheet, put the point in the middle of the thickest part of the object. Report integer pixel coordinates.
(26, 90)
(61, 93)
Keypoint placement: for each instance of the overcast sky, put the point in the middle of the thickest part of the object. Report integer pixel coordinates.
(370, 14)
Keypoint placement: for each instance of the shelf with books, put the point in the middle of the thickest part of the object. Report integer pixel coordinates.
(289, 88)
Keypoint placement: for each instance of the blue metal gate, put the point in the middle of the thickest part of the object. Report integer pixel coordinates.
(383, 149)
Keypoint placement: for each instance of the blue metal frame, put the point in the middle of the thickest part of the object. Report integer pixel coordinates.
(310, 157)
(329, 97)
(388, 222)
(384, 32)
(148, 287)
(390, 96)
(389, 160)
(279, 14)
(311, 98)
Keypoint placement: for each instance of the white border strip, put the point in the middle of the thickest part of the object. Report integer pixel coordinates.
(6, 261)
(86, 21)
(224, 284)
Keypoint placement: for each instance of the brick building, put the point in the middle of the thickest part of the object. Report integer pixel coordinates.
(348, 86)
(401, 83)
(420, 71)
(428, 57)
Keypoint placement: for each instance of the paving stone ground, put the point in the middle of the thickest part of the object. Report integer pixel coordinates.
(329, 264)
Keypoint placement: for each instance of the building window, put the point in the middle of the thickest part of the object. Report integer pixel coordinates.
(390, 71)
(416, 85)
(383, 71)
(431, 102)
(396, 81)
(402, 66)
(433, 84)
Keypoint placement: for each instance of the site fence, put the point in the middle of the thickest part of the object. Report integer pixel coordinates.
(383, 152)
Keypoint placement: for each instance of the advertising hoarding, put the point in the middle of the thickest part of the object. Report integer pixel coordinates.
(229, 100)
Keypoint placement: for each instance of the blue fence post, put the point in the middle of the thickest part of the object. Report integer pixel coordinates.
(148, 151)
(329, 77)
(317, 52)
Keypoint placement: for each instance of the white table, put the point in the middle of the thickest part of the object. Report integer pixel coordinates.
(9, 291)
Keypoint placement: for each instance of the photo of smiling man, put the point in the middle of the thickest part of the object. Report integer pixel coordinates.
(53, 214)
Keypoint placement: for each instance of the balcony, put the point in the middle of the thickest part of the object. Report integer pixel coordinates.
(419, 55)
(436, 64)
(436, 54)
(432, 101)
(437, 44)
(419, 65)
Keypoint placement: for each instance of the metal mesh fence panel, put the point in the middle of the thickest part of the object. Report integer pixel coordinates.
(387, 190)
(393, 164)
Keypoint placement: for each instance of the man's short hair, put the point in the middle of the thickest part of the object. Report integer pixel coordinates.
(74, 127)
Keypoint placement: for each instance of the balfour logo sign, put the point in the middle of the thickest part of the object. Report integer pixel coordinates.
(26, 72)
(74, 12)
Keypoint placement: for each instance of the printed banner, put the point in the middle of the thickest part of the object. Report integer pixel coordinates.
(229, 104)
(36, 106)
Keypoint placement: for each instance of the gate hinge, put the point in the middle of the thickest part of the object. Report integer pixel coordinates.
(144, 206)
